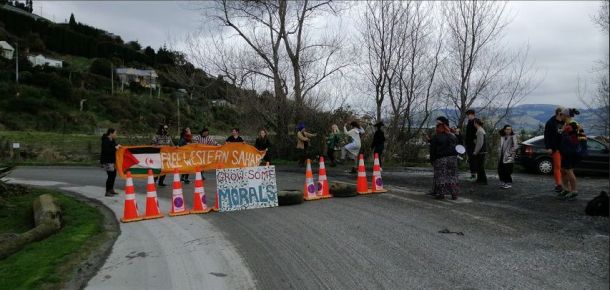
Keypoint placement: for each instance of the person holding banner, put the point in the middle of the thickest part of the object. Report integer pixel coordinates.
(108, 159)
(235, 138)
(262, 143)
(185, 138)
(204, 138)
(303, 138)
(162, 139)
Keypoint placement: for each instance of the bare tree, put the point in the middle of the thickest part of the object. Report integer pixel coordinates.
(478, 71)
(598, 104)
(403, 55)
(602, 18)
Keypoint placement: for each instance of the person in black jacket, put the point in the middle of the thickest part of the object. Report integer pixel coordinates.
(378, 142)
(552, 142)
(444, 161)
(469, 143)
(262, 143)
(234, 138)
(108, 159)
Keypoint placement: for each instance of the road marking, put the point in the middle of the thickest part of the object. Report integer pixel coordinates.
(33, 182)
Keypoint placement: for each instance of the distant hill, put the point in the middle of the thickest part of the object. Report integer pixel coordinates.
(531, 116)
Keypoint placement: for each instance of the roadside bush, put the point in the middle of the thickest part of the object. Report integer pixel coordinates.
(101, 66)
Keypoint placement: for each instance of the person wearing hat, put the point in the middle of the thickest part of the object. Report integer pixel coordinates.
(162, 138)
(379, 141)
(303, 138)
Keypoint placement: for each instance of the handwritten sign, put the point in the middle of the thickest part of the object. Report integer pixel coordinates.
(246, 188)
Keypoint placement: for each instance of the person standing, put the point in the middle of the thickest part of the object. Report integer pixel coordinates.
(185, 138)
(480, 150)
(204, 138)
(469, 143)
(303, 138)
(352, 149)
(444, 161)
(108, 159)
(162, 138)
(262, 143)
(508, 147)
(379, 142)
(552, 141)
(572, 136)
(332, 144)
(235, 138)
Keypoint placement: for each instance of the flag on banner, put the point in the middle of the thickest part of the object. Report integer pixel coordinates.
(139, 160)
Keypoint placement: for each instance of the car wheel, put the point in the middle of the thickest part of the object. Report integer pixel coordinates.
(544, 166)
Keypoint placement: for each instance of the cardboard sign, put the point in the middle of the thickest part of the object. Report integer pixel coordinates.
(246, 188)
(187, 159)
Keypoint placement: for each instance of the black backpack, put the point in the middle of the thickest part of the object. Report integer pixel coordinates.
(598, 206)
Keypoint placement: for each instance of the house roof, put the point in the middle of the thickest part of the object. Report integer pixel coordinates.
(6, 46)
(45, 58)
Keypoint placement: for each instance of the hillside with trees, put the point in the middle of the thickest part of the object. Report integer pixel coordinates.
(80, 96)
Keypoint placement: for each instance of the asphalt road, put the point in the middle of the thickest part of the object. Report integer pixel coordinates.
(522, 238)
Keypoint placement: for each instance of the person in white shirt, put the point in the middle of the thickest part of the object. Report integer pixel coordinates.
(352, 149)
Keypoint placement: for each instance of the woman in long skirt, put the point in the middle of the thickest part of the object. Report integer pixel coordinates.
(444, 161)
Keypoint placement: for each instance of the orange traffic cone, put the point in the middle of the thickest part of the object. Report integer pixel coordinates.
(323, 191)
(361, 184)
(152, 204)
(377, 184)
(216, 206)
(178, 207)
(199, 205)
(309, 192)
(130, 210)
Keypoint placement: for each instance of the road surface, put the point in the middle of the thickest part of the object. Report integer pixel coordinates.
(522, 238)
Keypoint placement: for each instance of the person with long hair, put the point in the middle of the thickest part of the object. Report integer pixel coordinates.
(352, 149)
(332, 144)
(507, 150)
(186, 137)
(262, 143)
(108, 159)
(479, 152)
(572, 139)
(162, 138)
(444, 161)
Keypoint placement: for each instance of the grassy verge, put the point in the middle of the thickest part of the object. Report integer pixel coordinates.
(49, 263)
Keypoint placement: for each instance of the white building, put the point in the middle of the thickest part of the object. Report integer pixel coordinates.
(41, 60)
(6, 50)
(145, 77)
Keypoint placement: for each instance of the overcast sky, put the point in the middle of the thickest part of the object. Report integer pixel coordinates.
(564, 43)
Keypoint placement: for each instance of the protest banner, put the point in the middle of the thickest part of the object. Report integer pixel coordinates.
(186, 159)
(246, 188)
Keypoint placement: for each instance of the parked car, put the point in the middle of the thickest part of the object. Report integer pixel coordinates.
(531, 154)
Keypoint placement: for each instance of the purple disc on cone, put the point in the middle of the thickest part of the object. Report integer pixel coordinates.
(203, 199)
(178, 202)
(311, 188)
(320, 186)
(379, 182)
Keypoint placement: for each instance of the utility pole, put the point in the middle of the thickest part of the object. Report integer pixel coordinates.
(111, 79)
(17, 62)
(150, 85)
(178, 100)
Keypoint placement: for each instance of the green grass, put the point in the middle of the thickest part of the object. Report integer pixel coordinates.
(48, 263)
